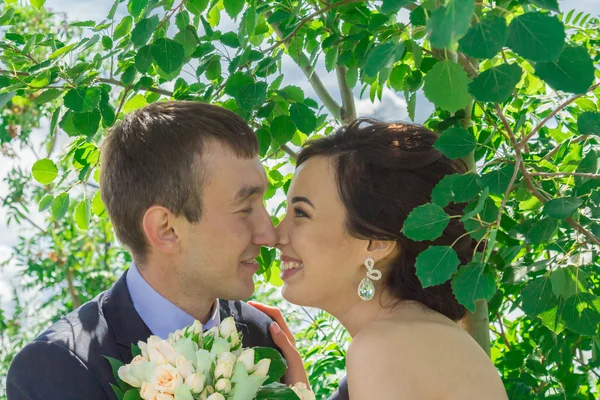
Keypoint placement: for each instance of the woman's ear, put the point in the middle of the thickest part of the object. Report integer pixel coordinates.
(382, 249)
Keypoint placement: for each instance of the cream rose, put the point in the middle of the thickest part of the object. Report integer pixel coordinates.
(126, 376)
(227, 327)
(167, 350)
(195, 382)
(247, 358)
(262, 367)
(216, 396)
(303, 392)
(163, 396)
(148, 391)
(197, 327)
(223, 386)
(185, 367)
(166, 378)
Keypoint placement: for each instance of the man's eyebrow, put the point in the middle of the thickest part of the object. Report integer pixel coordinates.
(299, 199)
(246, 192)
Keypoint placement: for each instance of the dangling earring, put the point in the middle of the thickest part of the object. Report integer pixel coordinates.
(366, 289)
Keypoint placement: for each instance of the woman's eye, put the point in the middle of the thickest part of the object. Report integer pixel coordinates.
(299, 213)
(247, 210)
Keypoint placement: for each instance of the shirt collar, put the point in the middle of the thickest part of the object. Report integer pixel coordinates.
(158, 313)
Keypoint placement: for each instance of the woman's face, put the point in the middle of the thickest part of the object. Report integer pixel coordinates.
(322, 265)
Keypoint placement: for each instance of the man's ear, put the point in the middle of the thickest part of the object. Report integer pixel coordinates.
(160, 229)
(381, 249)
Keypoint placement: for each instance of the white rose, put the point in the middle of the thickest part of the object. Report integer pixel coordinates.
(213, 331)
(153, 341)
(216, 396)
(224, 369)
(223, 386)
(247, 358)
(206, 392)
(303, 392)
(234, 340)
(185, 367)
(175, 336)
(226, 356)
(262, 367)
(148, 391)
(144, 348)
(167, 350)
(197, 327)
(166, 378)
(163, 396)
(195, 382)
(127, 377)
(227, 327)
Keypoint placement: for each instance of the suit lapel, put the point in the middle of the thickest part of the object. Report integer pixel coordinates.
(124, 321)
(229, 309)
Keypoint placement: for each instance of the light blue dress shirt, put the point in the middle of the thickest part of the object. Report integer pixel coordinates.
(159, 314)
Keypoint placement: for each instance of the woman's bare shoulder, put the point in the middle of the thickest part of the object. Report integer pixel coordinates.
(412, 351)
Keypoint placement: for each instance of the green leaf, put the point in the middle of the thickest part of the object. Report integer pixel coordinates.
(107, 42)
(41, 81)
(582, 314)
(143, 30)
(497, 83)
(47, 96)
(82, 99)
(283, 129)
(436, 265)
(60, 206)
(123, 28)
(233, 7)
(87, 123)
(252, 95)
(46, 202)
(304, 118)
(132, 394)
(450, 23)
(213, 70)
(457, 188)
(382, 56)
(331, 58)
(455, 142)
(547, 4)
(143, 59)
(479, 226)
(498, 180)
(486, 38)
(397, 76)
(393, 6)
(537, 297)
(275, 391)
(136, 102)
(188, 39)
(62, 51)
(552, 317)
(588, 123)
(568, 281)
(37, 4)
(426, 222)
(7, 16)
(446, 86)
(235, 82)
(98, 206)
(474, 281)
(82, 215)
(542, 230)
(128, 75)
(278, 365)
(136, 7)
(168, 54)
(562, 208)
(537, 36)
(196, 7)
(44, 171)
(264, 140)
(108, 113)
(573, 72)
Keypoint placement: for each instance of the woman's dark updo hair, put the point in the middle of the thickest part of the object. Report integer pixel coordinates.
(385, 170)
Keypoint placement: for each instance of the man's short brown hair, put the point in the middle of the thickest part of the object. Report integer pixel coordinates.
(154, 157)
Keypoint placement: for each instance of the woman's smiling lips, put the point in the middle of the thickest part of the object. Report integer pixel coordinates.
(290, 266)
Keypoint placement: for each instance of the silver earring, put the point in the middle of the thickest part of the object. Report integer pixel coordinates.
(366, 289)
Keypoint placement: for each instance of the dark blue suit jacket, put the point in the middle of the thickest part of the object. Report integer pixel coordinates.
(67, 362)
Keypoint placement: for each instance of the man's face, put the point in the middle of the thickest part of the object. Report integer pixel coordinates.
(219, 251)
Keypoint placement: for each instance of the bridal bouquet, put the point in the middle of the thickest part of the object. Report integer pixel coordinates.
(213, 365)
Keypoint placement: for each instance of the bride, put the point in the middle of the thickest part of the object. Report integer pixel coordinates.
(343, 251)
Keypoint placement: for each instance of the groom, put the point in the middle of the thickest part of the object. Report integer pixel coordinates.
(183, 187)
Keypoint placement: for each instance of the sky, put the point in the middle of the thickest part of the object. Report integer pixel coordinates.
(393, 106)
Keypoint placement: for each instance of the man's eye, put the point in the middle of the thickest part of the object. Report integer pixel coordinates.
(247, 210)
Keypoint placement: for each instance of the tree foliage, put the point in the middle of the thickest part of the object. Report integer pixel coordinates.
(515, 94)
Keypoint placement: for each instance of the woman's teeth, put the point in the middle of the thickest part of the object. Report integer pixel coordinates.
(287, 265)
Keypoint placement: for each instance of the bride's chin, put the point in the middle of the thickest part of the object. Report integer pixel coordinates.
(293, 295)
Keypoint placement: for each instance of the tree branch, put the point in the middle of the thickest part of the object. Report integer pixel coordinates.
(307, 19)
(552, 114)
(289, 151)
(348, 112)
(316, 83)
(559, 174)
